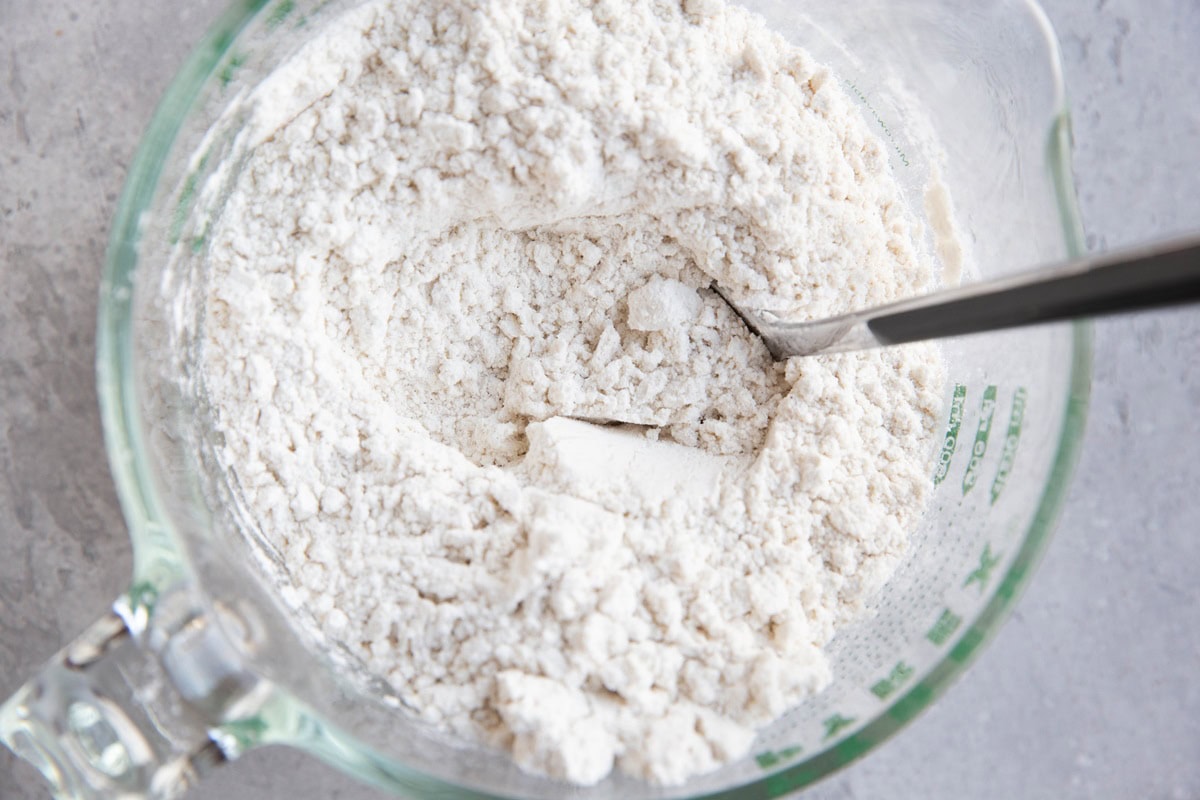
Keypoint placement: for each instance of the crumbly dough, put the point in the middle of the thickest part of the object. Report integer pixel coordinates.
(468, 231)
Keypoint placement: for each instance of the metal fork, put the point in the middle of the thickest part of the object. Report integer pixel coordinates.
(1138, 278)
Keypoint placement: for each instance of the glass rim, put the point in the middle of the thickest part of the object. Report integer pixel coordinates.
(159, 559)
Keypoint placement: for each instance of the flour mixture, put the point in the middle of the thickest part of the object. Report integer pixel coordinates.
(470, 233)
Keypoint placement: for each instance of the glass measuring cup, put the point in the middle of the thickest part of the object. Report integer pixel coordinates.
(200, 661)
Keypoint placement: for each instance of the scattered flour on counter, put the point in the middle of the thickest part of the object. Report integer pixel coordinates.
(467, 228)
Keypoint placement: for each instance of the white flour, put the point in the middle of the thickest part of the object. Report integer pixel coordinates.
(467, 222)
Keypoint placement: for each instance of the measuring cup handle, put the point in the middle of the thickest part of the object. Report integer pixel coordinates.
(126, 710)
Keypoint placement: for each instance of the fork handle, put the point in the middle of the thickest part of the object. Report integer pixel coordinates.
(1149, 276)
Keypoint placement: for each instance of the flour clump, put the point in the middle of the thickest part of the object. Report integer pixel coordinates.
(472, 384)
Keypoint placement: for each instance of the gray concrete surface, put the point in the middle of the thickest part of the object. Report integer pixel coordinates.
(1091, 691)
